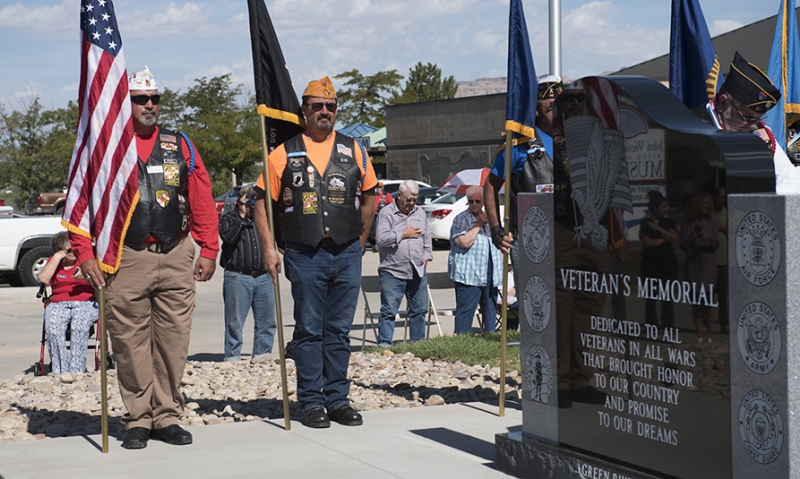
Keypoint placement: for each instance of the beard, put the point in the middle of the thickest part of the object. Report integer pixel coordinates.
(148, 119)
(731, 121)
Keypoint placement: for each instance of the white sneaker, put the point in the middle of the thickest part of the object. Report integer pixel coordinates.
(261, 358)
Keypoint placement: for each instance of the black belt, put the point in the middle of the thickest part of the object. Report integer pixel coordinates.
(254, 274)
(155, 247)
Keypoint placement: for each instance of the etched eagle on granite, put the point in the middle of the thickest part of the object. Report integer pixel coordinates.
(598, 173)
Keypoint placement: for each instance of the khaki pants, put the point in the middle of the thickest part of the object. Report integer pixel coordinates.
(149, 304)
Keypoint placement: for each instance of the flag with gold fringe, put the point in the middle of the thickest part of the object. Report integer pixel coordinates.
(522, 84)
(694, 74)
(783, 70)
(103, 173)
(275, 96)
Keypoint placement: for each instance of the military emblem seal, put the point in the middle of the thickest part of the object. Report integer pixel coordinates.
(759, 338)
(536, 234)
(538, 374)
(761, 426)
(536, 302)
(758, 248)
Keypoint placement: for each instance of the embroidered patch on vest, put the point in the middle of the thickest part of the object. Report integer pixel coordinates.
(344, 150)
(297, 179)
(169, 138)
(172, 175)
(166, 146)
(336, 189)
(310, 203)
(162, 198)
(287, 196)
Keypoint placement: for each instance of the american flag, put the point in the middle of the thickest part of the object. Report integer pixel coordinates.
(103, 174)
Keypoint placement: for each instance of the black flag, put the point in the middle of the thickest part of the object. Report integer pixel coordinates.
(275, 95)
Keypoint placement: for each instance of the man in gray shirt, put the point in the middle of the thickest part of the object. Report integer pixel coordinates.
(404, 245)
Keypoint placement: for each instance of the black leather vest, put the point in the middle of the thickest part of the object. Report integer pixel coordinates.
(163, 208)
(311, 206)
(537, 171)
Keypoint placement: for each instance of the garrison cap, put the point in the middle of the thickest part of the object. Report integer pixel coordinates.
(550, 87)
(750, 85)
(322, 88)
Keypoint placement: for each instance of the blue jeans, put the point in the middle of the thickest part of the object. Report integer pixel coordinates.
(467, 299)
(392, 292)
(240, 293)
(325, 284)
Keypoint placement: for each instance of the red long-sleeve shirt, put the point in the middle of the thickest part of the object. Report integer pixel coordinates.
(202, 211)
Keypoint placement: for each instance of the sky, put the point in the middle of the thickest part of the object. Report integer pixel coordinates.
(181, 41)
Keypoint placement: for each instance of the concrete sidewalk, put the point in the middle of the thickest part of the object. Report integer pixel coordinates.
(439, 441)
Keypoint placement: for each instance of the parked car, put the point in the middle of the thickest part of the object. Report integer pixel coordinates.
(46, 203)
(441, 213)
(391, 185)
(427, 195)
(25, 246)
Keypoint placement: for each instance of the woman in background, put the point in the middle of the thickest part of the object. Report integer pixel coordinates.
(71, 303)
(659, 235)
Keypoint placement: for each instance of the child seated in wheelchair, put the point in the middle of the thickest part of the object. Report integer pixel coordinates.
(71, 303)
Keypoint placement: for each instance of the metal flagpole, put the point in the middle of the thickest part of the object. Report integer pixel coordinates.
(278, 315)
(101, 302)
(554, 21)
(504, 308)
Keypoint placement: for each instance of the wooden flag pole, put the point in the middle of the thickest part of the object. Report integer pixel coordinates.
(101, 302)
(504, 308)
(278, 315)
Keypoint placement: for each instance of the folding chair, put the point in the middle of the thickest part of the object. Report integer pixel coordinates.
(372, 285)
(438, 281)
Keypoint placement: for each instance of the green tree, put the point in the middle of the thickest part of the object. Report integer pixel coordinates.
(222, 123)
(36, 146)
(425, 83)
(364, 97)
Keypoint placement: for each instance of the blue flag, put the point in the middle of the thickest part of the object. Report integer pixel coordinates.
(694, 75)
(522, 84)
(784, 66)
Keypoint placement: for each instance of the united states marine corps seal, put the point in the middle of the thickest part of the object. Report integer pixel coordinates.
(761, 426)
(759, 338)
(538, 374)
(536, 234)
(537, 304)
(758, 248)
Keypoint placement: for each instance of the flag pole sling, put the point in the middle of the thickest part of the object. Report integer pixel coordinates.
(101, 301)
(278, 315)
(504, 308)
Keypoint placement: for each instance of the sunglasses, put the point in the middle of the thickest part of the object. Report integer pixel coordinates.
(475, 202)
(409, 200)
(315, 107)
(143, 99)
(69, 251)
(570, 97)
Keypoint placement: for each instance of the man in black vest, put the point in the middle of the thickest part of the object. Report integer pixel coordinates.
(322, 183)
(150, 300)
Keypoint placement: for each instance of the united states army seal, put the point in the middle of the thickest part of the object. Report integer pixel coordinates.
(537, 304)
(536, 234)
(759, 337)
(761, 426)
(538, 374)
(758, 248)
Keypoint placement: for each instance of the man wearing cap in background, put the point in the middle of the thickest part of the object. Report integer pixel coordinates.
(739, 106)
(150, 300)
(531, 165)
(246, 283)
(323, 184)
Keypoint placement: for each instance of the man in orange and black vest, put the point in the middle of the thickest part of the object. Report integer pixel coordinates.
(323, 185)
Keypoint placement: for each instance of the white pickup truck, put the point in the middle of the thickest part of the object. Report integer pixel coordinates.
(25, 245)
